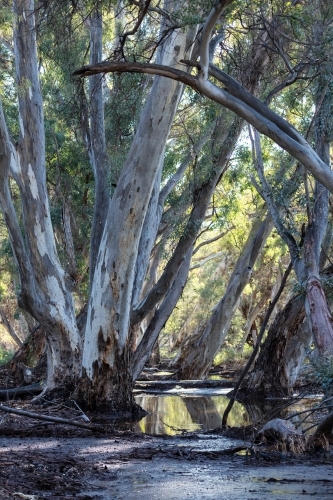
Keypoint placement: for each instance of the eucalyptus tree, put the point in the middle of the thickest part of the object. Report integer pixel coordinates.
(197, 354)
(307, 255)
(99, 366)
(232, 96)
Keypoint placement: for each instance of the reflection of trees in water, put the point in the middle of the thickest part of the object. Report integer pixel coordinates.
(168, 413)
(208, 411)
(151, 424)
(192, 413)
(299, 406)
(258, 410)
(203, 412)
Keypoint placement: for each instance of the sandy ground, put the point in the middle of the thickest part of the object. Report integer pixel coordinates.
(143, 467)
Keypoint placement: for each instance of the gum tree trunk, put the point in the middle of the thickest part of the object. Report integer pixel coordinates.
(224, 139)
(95, 140)
(45, 288)
(281, 356)
(196, 356)
(106, 374)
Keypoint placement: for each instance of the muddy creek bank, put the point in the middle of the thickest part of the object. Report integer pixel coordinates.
(140, 467)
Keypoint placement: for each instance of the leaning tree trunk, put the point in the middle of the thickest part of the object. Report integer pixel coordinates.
(196, 356)
(307, 267)
(222, 143)
(281, 356)
(306, 263)
(106, 375)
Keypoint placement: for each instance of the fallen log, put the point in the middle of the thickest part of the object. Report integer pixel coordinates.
(21, 391)
(48, 418)
(183, 384)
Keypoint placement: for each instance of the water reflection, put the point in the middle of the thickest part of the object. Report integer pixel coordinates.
(172, 414)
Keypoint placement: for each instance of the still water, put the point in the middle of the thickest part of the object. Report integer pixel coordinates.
(176, 411)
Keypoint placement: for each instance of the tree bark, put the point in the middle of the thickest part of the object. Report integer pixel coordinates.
(9, 328)
(196, 356)
(95, 140)
(106, 374)
(282, 354)
(45, 287)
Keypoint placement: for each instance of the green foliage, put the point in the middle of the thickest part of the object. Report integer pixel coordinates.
(5, 355)
(230, 354)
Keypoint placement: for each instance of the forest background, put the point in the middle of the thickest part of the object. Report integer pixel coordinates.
(221, 211)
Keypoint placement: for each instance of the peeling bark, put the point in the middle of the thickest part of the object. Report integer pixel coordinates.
(45, 287)
(281, 356)
(106, 345)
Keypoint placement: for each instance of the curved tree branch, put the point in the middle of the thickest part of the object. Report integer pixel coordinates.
(211, 20)
(244, 105)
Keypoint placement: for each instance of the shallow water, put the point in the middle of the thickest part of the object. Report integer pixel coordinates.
(198, 410)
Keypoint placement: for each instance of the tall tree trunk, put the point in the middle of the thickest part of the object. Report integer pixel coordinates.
(95, 139)
(306, 262)
(106, 373)
(160, 317)
(45, 287)
(175, 274)
(281, 355)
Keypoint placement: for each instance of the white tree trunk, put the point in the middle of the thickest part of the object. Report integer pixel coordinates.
(95, 140)
(107, 335)
(45, 288)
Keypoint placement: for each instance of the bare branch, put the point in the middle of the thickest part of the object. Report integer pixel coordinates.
(195, 150)
(211, 20)
(56, 420)
(211, 240)
(267, 193)
(204, 260)
(8, 162)
(256, 347)
(9, 328)
(143, 7)
(238, 100)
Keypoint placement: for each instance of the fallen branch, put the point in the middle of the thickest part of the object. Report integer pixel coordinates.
(59, 420)
(19, 391)
(184, 453)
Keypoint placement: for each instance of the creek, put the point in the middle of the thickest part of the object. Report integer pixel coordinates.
(179, 410)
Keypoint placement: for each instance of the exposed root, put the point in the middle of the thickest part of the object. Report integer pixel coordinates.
(282, 436)
(48, 395)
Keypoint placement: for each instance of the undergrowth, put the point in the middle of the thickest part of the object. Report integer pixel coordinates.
(5, 355)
